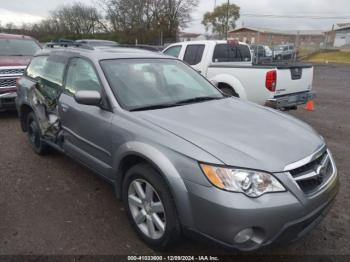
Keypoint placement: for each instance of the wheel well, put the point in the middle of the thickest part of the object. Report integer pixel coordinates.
(222, 85)
(23, 114)
(126, 163)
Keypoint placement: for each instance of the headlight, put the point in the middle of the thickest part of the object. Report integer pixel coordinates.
(252, 183)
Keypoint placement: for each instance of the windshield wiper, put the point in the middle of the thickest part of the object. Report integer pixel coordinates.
(179, 103)
(198, 99)
(152, 107)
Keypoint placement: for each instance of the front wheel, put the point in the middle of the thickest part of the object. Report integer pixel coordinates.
(150, 206)
(34, 135)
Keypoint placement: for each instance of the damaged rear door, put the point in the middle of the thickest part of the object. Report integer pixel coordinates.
(87, 129)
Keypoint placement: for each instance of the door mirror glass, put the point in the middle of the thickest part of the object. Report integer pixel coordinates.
(92, 98)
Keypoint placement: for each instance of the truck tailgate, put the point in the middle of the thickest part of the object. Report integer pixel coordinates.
(293, 79)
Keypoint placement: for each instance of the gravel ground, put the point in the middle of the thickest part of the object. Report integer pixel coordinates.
(51, 205)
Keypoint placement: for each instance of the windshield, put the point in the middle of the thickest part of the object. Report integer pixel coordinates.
(142, 83)
(18, 47)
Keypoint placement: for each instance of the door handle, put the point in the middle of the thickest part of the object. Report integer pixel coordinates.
(65, 107)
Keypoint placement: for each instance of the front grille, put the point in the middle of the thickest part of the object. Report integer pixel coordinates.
(7, 82)
(16, 71)
(312, 176)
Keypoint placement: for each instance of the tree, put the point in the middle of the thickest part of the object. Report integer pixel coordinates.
(222, 19)
(148, 18)
(76, 19)
(9, 26)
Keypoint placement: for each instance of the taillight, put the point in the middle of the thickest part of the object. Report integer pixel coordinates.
(271, 80)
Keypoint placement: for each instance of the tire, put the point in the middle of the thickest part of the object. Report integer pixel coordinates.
(227, 90)
(279, 57)
(142, 215)
(34, 135)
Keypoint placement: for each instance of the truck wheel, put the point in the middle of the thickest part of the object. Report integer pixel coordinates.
(279, 57)
(150, 206)
(34, 135)
(227, 90)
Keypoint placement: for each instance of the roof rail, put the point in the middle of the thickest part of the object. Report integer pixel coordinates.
(68, 43)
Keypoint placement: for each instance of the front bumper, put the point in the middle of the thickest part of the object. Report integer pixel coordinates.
(275, 218)
(7, 101)
(290, 101)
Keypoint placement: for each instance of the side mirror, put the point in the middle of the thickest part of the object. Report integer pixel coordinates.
(92, 98)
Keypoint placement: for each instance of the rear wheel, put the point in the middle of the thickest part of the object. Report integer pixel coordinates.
(150, 206)
(228, 90)
(34, 135)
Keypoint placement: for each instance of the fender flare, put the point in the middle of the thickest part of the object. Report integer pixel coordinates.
(151, 155)
(231, 81)
(163, 165)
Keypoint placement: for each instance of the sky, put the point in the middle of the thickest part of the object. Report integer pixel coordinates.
(29, 11)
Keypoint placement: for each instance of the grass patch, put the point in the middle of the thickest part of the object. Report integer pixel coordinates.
(330, 57)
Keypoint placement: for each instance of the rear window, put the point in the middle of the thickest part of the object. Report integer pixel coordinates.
(231, 53)
(18, 47)
(194, 54)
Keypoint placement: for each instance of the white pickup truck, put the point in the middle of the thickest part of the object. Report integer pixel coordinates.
(228, 64)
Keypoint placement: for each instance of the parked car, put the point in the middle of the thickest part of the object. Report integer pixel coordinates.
(183, 156)
(261, 54)
(97, 42)
(15, 54)
(228, 64)
(284, 52)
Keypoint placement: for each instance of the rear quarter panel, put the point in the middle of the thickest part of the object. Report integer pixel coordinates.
(248, 81)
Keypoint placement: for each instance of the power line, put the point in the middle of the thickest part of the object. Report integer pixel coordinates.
(295, 16)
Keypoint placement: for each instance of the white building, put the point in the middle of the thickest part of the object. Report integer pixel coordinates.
(342, 36)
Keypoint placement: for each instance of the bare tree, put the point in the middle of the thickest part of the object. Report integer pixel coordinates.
(140, 16)
(78, 18)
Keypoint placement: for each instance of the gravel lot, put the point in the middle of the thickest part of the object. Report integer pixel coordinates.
(52, 205)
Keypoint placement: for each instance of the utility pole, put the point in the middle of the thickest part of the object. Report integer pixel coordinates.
(227, 18)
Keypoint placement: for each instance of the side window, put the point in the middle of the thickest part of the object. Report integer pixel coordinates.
(225, 53)
(36, 67)
(173, 51)
(48, 71)
(194, 54)
(54, 69)
(231, 53)
(245, 52)
(81, 76)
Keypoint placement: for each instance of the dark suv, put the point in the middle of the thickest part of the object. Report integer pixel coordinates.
(15, 54)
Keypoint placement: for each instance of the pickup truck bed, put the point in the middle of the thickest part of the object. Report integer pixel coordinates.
(229, 66)
(293, 82)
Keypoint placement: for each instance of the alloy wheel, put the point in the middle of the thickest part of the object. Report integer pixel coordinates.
(146, 208)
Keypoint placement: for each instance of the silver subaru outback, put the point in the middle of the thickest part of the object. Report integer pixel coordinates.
(183, 157)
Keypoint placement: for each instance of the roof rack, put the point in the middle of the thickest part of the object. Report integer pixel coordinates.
(67, 43)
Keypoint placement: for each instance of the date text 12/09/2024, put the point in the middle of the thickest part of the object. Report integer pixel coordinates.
(173, 258)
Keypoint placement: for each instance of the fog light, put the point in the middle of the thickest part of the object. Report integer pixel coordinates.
(244, 235)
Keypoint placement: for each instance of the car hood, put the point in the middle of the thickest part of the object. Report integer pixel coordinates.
(239, 133)
(14, 60)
